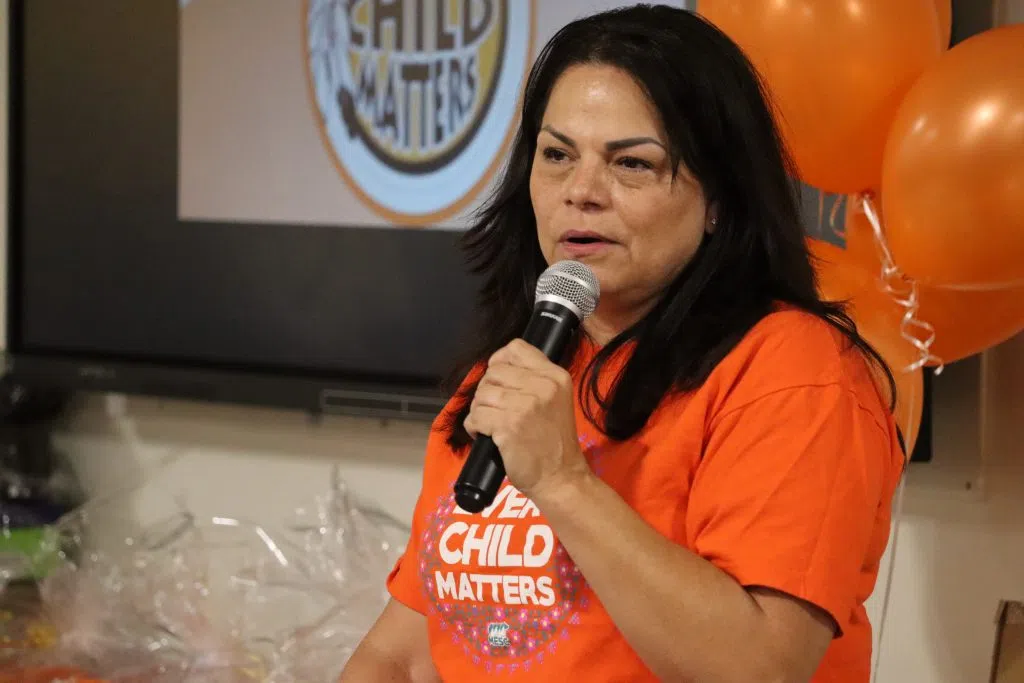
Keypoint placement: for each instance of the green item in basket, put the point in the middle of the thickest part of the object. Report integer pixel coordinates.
(28, 553)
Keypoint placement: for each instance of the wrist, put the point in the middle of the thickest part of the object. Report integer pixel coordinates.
(565, 491)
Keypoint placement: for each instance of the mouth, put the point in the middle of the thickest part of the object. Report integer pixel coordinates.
(584, 237)
(579, 243)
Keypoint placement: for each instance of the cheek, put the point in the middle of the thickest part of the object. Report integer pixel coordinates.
(666, 235)
(534, 189)
(680, 251)
(540, 189)
(542, 198)
(683, 246)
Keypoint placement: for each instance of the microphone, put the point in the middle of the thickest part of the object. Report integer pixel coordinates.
(567, 292)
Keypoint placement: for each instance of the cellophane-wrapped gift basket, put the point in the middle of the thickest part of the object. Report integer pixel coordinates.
(191, 599)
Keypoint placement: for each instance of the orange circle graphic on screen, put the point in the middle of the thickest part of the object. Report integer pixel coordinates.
(417, 100)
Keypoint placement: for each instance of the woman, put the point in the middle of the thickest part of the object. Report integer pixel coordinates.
(701, 491)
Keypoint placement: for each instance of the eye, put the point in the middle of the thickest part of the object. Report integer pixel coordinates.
(554, 154)
(635, 164)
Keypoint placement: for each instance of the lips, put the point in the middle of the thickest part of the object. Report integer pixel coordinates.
(580, 244)
(583, 237)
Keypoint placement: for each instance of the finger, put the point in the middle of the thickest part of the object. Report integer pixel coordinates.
(505, 375)
(521, 354)
(513, 401)
(482, 419)
(490, 394)
(515, 388)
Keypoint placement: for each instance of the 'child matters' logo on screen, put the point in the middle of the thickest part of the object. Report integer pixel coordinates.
(417, 97)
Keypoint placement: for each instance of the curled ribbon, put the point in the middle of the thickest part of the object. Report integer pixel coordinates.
(903, 290)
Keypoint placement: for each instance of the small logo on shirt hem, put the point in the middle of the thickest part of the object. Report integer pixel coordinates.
(497, 634)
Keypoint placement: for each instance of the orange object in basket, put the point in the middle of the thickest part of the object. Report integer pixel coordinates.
(52, 674)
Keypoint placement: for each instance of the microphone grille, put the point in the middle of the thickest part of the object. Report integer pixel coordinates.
(570, 282)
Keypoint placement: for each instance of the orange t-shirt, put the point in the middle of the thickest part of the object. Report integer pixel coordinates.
(779, 470)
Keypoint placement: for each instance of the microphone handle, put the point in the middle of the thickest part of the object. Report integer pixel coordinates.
(550, 328)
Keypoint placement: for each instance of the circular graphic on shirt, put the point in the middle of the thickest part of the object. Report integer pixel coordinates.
(499, 582)
(417, 100)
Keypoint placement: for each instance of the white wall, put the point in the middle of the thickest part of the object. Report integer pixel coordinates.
(959, 551)
(1009, 12)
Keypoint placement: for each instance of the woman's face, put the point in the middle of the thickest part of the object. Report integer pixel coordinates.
(603, 190)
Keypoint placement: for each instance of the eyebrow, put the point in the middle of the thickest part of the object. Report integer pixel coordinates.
(611, 146)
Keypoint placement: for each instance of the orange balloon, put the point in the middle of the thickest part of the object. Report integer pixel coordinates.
(878, 322)
(953, 175)
(966, 322)
(970, 322)
(870, 306)
(945, 12)
(837, 72)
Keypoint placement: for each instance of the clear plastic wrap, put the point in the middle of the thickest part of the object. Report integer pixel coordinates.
(218, 600)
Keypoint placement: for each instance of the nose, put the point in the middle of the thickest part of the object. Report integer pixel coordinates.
(587, 187)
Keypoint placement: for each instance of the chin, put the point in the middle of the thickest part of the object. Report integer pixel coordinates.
(606, 277)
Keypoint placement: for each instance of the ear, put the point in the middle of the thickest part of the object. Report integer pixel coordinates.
(711, 220)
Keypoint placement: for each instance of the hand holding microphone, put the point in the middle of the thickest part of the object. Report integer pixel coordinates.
(523, 407)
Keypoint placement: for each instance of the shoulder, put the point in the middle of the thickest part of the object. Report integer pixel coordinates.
(792, 349)
(806, 348)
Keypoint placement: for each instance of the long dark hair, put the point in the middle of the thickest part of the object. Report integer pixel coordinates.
(717, 115)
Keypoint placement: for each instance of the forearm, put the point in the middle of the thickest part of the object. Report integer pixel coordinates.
(367, 665)
(372, 664)
(686, 619)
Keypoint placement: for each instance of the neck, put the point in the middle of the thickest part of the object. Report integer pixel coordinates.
(599, 332)
(616, 314)
(607, 323)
